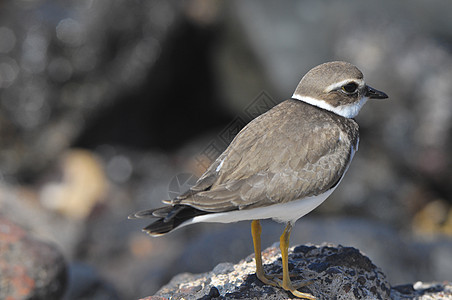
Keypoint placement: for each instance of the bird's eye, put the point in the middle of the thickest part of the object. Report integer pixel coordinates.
(350, 88)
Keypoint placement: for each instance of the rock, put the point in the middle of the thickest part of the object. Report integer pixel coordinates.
(338, 273)
(230, 243)
(29, 268)
(422, 291)
(23, 203)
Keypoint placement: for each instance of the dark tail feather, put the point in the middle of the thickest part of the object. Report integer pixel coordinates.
(169, 218)
(159, 227)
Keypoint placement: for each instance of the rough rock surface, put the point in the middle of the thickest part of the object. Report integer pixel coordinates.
(29, 268)
(338, 273)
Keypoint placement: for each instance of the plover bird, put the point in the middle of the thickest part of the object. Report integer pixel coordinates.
(280, 166)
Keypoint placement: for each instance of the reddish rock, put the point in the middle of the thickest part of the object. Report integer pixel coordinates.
(29, 268)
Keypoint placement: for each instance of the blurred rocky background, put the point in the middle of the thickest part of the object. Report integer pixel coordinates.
(108, 107)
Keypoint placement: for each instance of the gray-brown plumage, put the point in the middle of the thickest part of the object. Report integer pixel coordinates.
(320, 78)
(302, 153)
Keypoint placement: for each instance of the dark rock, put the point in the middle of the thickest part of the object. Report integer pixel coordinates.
(351, 257)
(412, 262)
(239, 281)
(29, 268)
(304, 249)
(405, 289)
(319, 267)
(346, 274)
(213, 293)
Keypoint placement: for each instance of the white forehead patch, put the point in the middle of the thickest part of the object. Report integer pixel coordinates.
(348, 110)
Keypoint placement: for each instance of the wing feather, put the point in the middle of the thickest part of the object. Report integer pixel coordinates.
(302, 153)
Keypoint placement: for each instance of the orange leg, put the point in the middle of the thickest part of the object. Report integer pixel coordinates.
(286, 283)
(256, 230)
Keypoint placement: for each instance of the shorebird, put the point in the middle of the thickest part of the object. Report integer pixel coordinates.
(280, 166)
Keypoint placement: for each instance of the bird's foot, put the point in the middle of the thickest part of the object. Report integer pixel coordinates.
(269, 279)
(299, 294)
(276, 281)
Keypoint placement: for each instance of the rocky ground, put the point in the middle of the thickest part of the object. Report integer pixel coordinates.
(109, 107)
(336, 272)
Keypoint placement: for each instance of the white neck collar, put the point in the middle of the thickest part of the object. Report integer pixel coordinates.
(347, 111)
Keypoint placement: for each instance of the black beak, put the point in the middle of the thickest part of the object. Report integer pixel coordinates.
(375, 94)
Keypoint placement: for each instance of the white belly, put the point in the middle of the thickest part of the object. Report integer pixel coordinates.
(284, 212)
